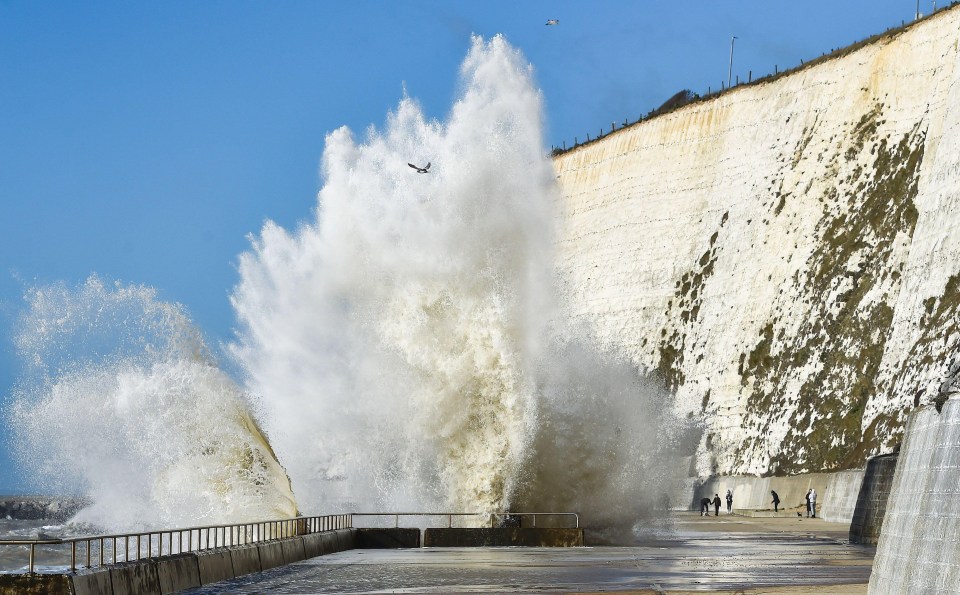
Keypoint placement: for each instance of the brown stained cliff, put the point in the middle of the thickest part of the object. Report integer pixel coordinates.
(838, 350)
(684, 311)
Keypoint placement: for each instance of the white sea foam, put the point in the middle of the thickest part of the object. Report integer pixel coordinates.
(408, 344)
(408, 349)
(122, 402)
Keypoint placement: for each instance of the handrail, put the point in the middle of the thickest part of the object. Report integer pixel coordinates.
(576, 517)
(198, 538)
(397, 515)
(492, 515)
(228, 535)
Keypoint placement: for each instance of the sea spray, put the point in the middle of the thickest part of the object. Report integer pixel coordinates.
(409, 345)
(121, 401)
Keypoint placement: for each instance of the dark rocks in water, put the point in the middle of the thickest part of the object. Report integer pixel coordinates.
(54, 508)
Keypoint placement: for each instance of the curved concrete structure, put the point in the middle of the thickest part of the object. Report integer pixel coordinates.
(872, 500)
(918, 550)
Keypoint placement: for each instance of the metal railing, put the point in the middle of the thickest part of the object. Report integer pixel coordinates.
(99, 550)
(534, 515)
(396, 515)
(492, 516)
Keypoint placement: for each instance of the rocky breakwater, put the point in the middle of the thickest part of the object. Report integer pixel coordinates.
(40, 507)
(786, 255)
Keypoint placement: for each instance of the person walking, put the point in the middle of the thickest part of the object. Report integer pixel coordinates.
(716, 505)
(808, 501)
(813, 503)
(729, 502)
(775, 501)
(704, 506)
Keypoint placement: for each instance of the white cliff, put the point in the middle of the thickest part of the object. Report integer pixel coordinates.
(786, 255)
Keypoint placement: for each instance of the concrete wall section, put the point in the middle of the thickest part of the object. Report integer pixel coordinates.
(388, 538)
(839, 501)
(171, 574)
(178, 573)
(502, 537)
(872, 500)
(139, 577)
(271, 555)
(245, 559)
(92, 582)
(329, 543)
(753, 493)
(346, 539)
(918, 550)
(215, 566)
(292, 550)
(313, 545)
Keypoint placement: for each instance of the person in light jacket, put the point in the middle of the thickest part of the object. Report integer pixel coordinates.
(813, 503)
(729, 501)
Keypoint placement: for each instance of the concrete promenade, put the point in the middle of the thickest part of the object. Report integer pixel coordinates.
(730, 554)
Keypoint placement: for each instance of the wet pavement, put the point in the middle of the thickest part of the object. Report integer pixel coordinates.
(701, 554)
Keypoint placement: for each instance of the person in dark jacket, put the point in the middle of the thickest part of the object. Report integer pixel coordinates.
(775, 501)
(716, 505)
(704, 506)
(808, 502)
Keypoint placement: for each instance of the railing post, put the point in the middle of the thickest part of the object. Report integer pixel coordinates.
(31, 558)
(73, 556)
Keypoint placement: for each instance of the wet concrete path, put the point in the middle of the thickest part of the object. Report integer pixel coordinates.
(701, 554)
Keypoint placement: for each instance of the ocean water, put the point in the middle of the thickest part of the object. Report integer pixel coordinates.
(16, 558)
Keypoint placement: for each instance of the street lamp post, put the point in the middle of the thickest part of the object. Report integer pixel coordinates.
(730, 71)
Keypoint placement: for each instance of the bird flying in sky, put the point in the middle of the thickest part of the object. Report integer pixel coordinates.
(553, 21)
(420, 170)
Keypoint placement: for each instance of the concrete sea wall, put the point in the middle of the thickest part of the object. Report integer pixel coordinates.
(838, 502)
(918, 551)
(172, 574)
(836, 492)
(871, 504)
(786, 255)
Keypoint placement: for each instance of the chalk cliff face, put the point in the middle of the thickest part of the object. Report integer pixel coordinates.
(787, 255)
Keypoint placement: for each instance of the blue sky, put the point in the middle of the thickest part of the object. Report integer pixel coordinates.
(143, 141)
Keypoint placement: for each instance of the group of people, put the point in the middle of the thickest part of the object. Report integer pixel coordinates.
(705, 504)
(811, 502)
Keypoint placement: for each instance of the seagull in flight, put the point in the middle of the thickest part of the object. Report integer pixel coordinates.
(553, 21)
(420, 170)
